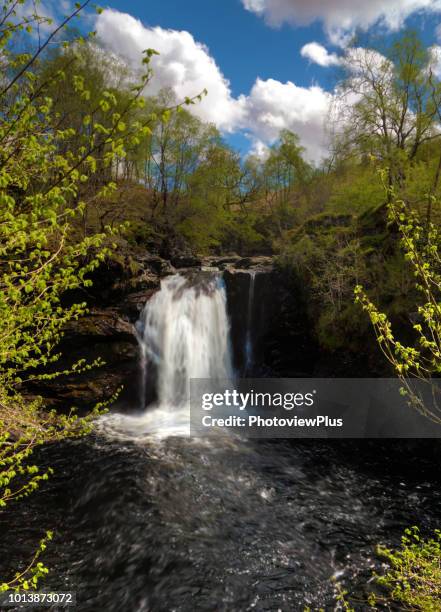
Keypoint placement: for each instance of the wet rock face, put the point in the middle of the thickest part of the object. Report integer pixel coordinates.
(120, 284)
(186, 261)
(131, 305)
(289, 349)
(235, 263)
(272, 326)
(270, 333)
(249, 317)
(99, 324)
(104, 335)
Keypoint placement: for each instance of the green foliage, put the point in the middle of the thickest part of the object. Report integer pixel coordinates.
(421, 360)
(197, 188)
(28, 579)
(285, 180)
(42, 195)
(327, 255)
(411, 578)
(393, 124)
(41, 186)
(396, 105)
(355, 190)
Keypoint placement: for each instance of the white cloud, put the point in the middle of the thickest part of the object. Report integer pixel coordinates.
(256, 6)
(259, 149)
(272, 106)
(361, 60)
(317, 54)
(186, 66)
(435, 54)
(340, 17)
(435, 63)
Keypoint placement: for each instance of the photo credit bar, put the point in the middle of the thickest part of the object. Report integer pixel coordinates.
(315, 408)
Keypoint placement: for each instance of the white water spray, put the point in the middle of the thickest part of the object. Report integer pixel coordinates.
(184, 331)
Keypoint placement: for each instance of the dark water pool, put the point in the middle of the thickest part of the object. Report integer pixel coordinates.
(226, 526)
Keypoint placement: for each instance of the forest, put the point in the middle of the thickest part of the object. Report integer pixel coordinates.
(178, 187)
(95, 172)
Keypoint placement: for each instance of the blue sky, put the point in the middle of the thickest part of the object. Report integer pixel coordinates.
(240, 41)
(267, 64)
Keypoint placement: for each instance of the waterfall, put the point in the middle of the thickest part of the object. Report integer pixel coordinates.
(184, 331)
(249, 353)
(143, 365)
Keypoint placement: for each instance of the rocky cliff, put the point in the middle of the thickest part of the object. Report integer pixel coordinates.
(120, 290)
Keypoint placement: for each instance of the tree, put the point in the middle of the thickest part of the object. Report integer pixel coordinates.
(220, 192)
(285, 176)
(172, 153)
(388, 105)
(422, 361)
(41, 186)
(78, 105)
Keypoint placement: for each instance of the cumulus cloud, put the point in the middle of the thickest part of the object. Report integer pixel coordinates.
(185, 66)
(435, 60)
(435, 54)
(340, 17)
(272, 106)
(256, 6)
(317, 54)
(259, 149)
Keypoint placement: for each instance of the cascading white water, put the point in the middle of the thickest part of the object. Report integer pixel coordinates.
(184, 331)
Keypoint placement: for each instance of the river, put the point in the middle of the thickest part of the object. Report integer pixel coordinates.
(148, 519)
